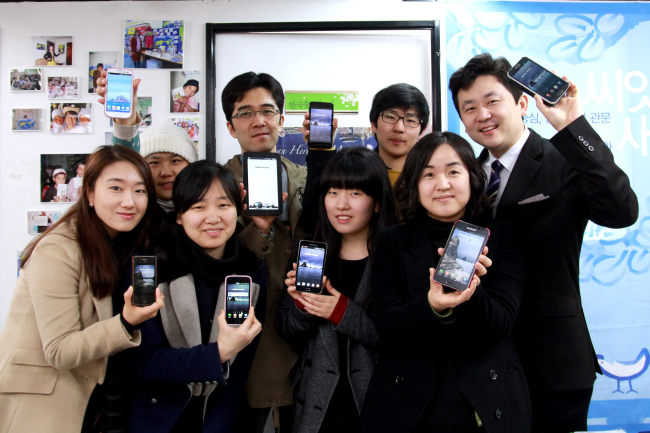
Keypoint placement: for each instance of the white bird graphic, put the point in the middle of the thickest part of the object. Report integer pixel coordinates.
(625, 370)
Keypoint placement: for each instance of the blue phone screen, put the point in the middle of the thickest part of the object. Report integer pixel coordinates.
(118, 93)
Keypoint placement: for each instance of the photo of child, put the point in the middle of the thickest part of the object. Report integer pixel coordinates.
(25, 80)
(153, 44)
(71, 118)
(184, 88)
(62, 177)
(40, 220)
(189, 124)
(99, 61)
(62, 87)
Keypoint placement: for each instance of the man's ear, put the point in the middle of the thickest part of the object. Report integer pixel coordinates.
(231, 129)
(373, 125)
(523, 104)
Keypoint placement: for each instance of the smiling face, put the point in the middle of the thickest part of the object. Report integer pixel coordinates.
(444, 186)
(211, 221)
(395, 140)
(491, 116)
(59, 178)
(70, 120)
(189, 90)
(164, 168)
(349, 211)
(258, 134)
(119, 197)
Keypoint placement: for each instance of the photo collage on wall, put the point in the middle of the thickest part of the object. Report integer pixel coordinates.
(68, 87)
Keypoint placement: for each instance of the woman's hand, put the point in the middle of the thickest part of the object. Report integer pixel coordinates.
(321, 305)
(262, 223)
(306, 124)
(441, 301)
(136, 315)
(231, 340)
(290, 282)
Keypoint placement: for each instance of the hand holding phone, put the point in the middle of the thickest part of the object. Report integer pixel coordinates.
(534, 79)
(118, 98)
(464, 245)
(144, 280)
(238, 298)
(263, 183)
(311, 263)
(321, 123)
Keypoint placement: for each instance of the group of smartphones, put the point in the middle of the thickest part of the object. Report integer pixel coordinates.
(263, 184)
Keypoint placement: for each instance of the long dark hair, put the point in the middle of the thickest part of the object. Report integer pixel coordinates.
(101, 256)
(406, 186)
(355, 168)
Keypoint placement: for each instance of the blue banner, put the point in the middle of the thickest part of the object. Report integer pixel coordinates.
(603, 48)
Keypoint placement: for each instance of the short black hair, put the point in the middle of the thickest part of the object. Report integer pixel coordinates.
(406, 186)
(192, 82)
(356, 168)
(194, 181)
(403, 96)
(100, 64)
(478, 66)
(238, 86)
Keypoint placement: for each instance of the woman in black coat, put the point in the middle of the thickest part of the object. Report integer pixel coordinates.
(447, 362)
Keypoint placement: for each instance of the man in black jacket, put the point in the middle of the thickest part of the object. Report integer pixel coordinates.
(552, 188)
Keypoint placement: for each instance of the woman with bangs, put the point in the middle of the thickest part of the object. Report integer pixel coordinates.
(333, 330)
(447, 361)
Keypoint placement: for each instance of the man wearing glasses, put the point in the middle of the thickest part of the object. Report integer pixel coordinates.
(399, 115)
(253, 106)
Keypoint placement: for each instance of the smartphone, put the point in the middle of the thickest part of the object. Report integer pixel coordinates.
(321, 116)
(311, 261)
(535, 79)
(464, 246)
(118, 101)
(144, 280)
(238, 298)
(263, 183)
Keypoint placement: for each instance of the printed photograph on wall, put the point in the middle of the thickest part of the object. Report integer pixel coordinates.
(153, 44)
(62, 177)
(184, 89)
(40, 220)
(62, 87)
(189, 124)
(26, 80)
(52, 50)
(73, 118)
(27, 119)
(143, 108)
(99, 61)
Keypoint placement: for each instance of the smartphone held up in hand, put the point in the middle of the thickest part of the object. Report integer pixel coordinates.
(263, 183)
(238, 298)
(311, 262)
(144, 279)
(534, 79)
(464, 246)
(321, 117)
(118, 101)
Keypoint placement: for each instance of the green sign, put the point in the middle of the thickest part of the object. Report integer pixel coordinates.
(344, 102)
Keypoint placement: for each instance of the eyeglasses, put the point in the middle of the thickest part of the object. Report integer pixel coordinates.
(392, 118)
(266, 113)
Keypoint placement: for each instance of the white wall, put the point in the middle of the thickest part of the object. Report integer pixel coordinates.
(98, 26)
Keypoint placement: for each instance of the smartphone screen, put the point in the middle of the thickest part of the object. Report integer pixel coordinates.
(456, 266)
(119, 93)
(311, 260)
(238, 298)
(534, 79)
(144, 280)
(262, 181)
(320, 124)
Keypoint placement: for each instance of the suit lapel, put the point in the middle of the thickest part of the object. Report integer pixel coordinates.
(524, 171)
(104, 307)
(419, 256)
(183, 295)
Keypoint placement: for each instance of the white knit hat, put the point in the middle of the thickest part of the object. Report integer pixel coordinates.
(168, 138)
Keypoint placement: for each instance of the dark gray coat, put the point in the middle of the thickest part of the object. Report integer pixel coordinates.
(317, 372)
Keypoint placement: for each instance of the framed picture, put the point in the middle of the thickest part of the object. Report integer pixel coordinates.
(62, 177)
(184, 89)
(99, 61)
(52, 50)
(27, 119)
(62, 87)
(71, 118)
(26, 80)
(153, 44)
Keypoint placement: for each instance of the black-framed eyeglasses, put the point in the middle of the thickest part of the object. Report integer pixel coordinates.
(266, 113)
(392, 118)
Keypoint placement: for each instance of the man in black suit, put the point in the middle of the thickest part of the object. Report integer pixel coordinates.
(551, 188)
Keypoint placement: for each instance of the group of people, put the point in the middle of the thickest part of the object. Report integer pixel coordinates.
(71, 119)
(62, 87)
(58, 191)
(26, 82)
(383, 348)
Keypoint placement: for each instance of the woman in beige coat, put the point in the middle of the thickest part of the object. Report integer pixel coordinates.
(61, 327)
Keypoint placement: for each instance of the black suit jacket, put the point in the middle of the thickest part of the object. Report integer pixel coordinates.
(472, 347)
(557, 186)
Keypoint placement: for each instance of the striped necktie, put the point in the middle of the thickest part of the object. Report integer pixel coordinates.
(493, 185)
